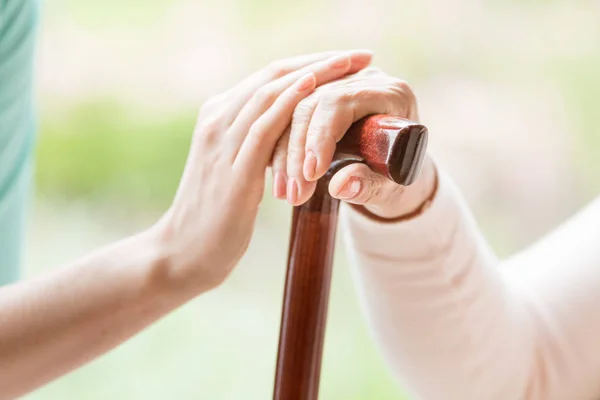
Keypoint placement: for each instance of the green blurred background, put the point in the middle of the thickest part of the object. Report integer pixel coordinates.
(507, 88)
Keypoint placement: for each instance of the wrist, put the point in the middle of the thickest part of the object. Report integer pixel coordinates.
(407, 202)
(166, 274)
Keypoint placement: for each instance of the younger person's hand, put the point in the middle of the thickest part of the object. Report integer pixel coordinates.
(209, 225)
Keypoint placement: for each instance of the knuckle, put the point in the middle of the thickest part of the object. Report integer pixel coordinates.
(265, 95)
(209, 125)
(402, 86)
(205, 141)
(327, 100)
(331, 96)
(370, 71)
(316, 135)
(392, 192)
(279, 159)
(218, 99)
(256, 131)
(345, 93)
(277, 69)
(303, 111)
(295, 152)
(209, 105)
(209, 128)
(406, 99)
(337, 97)
(371, 192)
(280, 166)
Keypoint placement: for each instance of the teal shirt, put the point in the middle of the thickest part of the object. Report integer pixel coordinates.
(17, 35)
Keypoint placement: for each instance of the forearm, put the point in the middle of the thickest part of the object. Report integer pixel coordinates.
(55, 323)
(445, 319)
(561, 275)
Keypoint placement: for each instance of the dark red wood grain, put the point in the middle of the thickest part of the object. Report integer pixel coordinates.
(391, 146)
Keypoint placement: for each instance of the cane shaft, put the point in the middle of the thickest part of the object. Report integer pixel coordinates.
(390, 146)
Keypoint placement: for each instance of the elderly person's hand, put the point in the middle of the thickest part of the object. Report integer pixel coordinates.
(305, 152)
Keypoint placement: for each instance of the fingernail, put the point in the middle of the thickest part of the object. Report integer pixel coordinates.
(306, 82)
(361, 52)
(360, 58)
(310, 165)
(350, 189)
(340, 62)
(360, 63)
(279, 183)
(292, 191)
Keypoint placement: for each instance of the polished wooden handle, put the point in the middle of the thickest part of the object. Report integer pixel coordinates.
(391, 146)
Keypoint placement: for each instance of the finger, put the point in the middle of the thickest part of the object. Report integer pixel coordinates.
(298, 189)
(246, 89)
(360, 59)
(257, 148)
(330, 69)
(358, 184)
(335, 113)
(324, 71)
(278, 165)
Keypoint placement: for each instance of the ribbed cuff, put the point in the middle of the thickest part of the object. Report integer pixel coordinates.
(410, 215)
(428, 229)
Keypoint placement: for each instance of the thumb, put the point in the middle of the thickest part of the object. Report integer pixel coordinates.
(357, 184)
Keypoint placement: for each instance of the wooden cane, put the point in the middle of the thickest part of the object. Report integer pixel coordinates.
(391, 146)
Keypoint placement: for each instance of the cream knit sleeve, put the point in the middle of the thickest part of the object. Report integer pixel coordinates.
(454, 322)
